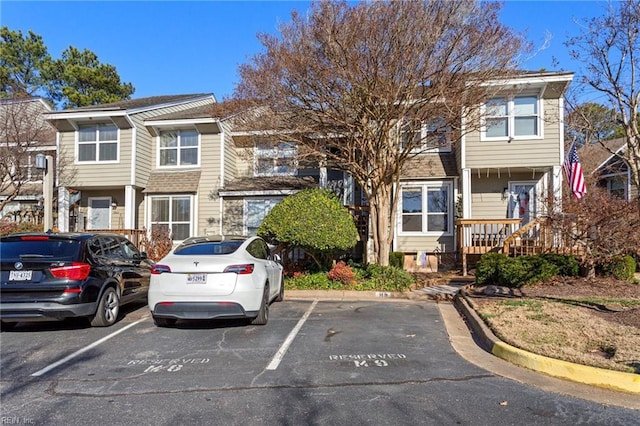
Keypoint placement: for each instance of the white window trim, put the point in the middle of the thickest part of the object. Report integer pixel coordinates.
(178, 166)
(511, 119)
(270, 153)
(425, 186)
(78, 143)
(192, 214)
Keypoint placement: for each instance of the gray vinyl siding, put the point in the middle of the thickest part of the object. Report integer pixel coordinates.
(518, 153)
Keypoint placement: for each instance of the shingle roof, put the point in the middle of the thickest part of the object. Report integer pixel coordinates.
(442, 164)
(173, 182)
(594, 155)
(138, 103)
(279, 183)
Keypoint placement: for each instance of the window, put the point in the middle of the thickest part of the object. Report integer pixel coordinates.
(426, 209)
(432, 137)
(516, 117)
(255, 211)
(617, 186)
(172, 213)
(98, 142)
(178, 148)
(275, 160)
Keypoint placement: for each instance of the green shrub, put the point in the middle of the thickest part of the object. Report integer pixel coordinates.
(496, 268)
(314, 220)
(396, 258)
(387, 278)
(568, 266)
(487, 268)
(317, 281)
(621, 268)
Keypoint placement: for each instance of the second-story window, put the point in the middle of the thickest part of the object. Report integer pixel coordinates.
(275, 159)
(426, 137)
(98, 142)
(514, 117)
(178, 148)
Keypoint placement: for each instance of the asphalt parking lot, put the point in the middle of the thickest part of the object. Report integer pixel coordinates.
(315, 362)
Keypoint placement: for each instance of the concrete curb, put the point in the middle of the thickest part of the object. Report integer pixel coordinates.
(609, 379)
(353, 295)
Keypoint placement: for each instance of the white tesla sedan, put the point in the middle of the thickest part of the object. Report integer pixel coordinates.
(216, 277)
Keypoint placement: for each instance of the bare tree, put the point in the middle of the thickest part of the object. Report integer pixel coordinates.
(23, 133)
(344, 81)
(609, 48)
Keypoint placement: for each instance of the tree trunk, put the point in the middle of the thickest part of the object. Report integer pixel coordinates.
(381, 226)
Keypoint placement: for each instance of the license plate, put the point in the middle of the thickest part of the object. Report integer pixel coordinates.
(20, 275)
(196, 278)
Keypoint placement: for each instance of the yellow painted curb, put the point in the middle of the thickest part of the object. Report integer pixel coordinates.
(616, 380)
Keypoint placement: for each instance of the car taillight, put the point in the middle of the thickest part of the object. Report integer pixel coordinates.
(159, 269)
(240, 269)
(77, 271)
(34, 238)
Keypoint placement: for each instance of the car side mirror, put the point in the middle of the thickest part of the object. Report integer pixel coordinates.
(276, 258)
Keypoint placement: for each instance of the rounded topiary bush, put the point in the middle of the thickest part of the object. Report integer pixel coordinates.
(314, 220)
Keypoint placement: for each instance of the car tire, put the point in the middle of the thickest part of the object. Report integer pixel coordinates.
(280, 296)
(4, 325)
(164, 322)
(108, 309)
(263, 314)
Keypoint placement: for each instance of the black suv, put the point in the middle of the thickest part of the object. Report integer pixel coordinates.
(59, 275)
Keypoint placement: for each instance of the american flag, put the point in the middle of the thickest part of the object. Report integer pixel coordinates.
(573, 173)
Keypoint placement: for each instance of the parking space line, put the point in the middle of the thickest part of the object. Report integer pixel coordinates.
(292, 335)
(85, 349)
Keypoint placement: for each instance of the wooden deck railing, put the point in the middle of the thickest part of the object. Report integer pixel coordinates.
(479, 236)
(507, 236)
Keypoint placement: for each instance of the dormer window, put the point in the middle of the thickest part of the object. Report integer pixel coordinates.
(515, 117)
(97, 143)
(275, 159)
(178, 148)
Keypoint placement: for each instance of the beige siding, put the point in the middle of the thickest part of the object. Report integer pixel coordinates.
(207, 199)
(244, 162)
(116, 213)
(230, 155)
(98, 174)
(518, 153)
(429, 244)
(146, 144)
(233, 216)
(486, 193)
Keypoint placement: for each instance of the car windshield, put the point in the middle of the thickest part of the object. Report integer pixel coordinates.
(209, 248)
(52, 249)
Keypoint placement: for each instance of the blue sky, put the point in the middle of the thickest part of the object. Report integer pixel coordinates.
(183, 47)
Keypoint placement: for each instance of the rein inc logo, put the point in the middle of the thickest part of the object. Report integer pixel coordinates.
(16, 420)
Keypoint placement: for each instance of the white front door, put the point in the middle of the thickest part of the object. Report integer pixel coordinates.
(99, 213)
(522, 200)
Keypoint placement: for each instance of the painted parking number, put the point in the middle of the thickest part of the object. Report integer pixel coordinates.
(158, 368)
(374, 363)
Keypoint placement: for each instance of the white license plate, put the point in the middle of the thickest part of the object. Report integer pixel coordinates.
(20, 275)
(196, 278)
